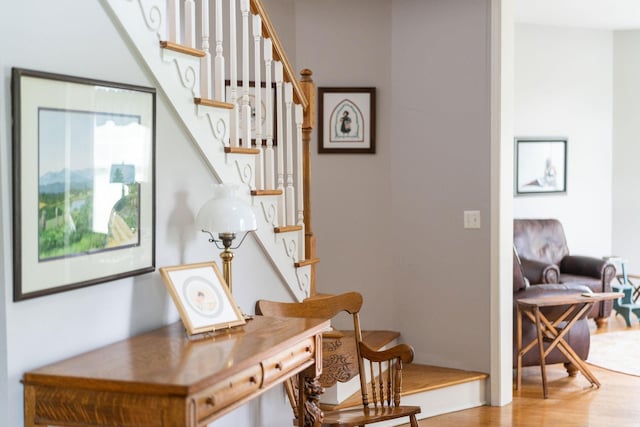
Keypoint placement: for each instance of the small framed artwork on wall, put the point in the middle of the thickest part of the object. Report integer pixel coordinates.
(540, 165)
(347, 120)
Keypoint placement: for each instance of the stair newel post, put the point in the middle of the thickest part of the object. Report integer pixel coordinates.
(205, 64)
(233, 70)
(173, 20)
(268, 101)
(289, 191)
(246, 108)
(219, 59)
(257, 34)
(299, 180)
(190, 23)
(309, 89)
(280, 146)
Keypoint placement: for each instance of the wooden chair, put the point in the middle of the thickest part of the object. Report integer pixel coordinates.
(381, 396)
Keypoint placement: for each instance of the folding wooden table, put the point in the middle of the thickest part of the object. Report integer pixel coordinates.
(577, 306)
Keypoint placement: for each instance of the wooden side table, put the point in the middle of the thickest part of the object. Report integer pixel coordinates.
(577, 306)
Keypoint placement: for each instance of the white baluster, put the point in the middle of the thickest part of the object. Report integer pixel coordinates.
(219, 60)
(257, 34)
(205, 64)
(268, 101)
(246, 108)
(173, 20)
(233, 69)
(289, 190)
(190, 23)
(278, 74)
(299, 180)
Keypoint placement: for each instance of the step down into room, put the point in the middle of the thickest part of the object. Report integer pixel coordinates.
(436, 390)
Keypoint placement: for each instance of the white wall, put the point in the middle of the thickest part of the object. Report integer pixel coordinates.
(563, 87)
(41, 35)
(626, 147)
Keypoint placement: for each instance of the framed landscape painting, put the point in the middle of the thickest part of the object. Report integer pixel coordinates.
(540, 165)
(83, 182)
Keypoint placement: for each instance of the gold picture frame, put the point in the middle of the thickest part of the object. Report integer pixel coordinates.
(202, 297)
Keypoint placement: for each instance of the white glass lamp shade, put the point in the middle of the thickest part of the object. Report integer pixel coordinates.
(226, 212)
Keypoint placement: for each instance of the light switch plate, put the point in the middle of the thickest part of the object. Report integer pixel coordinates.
(471, 219)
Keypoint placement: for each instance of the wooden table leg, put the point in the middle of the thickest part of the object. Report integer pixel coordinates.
(563, 346)
(543, 368)
(30, 407)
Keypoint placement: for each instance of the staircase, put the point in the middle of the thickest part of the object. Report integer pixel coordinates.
(222, 117)
(254, 131)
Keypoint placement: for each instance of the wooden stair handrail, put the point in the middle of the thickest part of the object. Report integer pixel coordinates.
(257, 8)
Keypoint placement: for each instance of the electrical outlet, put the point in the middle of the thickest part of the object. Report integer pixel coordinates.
(471, 219)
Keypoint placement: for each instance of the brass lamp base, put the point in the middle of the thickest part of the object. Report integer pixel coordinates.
(227, 256)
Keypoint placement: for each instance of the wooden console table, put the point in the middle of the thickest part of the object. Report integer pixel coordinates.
(576, 306)
(163, 378)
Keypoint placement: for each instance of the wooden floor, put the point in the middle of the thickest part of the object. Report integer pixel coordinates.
(571, 402)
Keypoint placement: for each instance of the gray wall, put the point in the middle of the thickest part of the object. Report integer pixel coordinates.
(390, 225)
(42, 36)
(441, 167)
(348, 43)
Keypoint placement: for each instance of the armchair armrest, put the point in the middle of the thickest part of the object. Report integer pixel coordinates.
(540, 272)
(402, 351)
(588, 266)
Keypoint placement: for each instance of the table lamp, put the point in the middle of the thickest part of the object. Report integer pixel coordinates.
(224, 216)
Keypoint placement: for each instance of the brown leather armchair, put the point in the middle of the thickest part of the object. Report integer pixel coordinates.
(545, 258)
(578, 336)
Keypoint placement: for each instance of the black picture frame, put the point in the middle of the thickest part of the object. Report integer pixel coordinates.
(540, 165)
(347, 120)
(83, 182)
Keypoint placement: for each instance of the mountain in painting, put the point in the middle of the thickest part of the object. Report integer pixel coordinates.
(55, 182)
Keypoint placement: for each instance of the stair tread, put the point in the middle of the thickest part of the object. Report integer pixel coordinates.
(418, 378)
(241, 150)
(287, 228)
(182, 48)
(266, 192)
(304, 262)
(213, 103)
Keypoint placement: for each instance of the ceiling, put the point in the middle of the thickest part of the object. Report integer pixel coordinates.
(594, 14)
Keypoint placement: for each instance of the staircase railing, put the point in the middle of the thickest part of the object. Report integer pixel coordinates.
(244, 68)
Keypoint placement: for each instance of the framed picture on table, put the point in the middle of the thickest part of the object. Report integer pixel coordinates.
(83, 182)
(202, 297)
